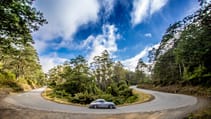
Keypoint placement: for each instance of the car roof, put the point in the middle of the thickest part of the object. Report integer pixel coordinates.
(100, 100)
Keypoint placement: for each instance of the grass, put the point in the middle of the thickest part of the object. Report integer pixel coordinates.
(142, 97)
(201, 114)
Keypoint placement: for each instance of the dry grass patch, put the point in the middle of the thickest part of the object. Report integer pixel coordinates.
(142, 97)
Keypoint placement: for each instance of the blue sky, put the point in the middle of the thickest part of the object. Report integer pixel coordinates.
(128, 29)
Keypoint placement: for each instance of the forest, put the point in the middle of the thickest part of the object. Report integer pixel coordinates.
(78, 82)
(184, 55)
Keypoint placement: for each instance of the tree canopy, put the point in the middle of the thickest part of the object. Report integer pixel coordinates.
(80, 83)
(19, 59)
(188, 60)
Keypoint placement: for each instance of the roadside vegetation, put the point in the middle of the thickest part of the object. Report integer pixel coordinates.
(19, 63)
(200, 114)
(182, 61)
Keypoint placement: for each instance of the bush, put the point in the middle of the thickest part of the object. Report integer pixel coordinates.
(113, 90)
(51, 84)
(82, 98)
(119, 100)
(107, 97)
(126, 93)
(11, 84)
(78, 92)
(7, 75)
(131, 99)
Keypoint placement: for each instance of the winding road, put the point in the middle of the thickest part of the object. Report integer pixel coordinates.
(162, 101)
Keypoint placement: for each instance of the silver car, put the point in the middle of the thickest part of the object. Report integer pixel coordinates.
(101, 103)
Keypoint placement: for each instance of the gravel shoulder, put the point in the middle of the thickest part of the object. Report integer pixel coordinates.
(10, 111)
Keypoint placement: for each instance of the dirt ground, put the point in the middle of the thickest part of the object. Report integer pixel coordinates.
(9, 111)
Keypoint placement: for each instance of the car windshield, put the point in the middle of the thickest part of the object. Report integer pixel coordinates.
(100, 100)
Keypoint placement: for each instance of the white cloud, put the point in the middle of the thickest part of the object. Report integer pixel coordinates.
(208, 1)
(101, 42)
(87, 43)
(49, 61)
(144, 8)
(149, 35)
(64, 17)
(157, 5)
(108, 6)
(131, 63)
(40, 45)
(140, 9)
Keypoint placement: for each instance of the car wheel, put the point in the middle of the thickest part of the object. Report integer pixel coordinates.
(110, 107)
(95, 106)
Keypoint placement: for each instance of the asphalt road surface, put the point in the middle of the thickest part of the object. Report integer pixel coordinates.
(162, 101)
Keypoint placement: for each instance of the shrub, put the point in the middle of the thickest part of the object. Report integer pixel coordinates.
(113, 90)
(7, 75)
(131, 99)
(126, 93)
(119, 100)
(11, 84)
(107, 97)
(82, 98)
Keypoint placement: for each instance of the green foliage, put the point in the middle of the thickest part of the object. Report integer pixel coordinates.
(146, 81)
(119, 73)
(18, 20)
(132, 78)
(9, 83)
(112, 89)
(56, 74)
(131, 99)
(166, 71)
(193, 52)
(7, 75)
(188, 61)
(139, 75)
(102, 68)
(76, 82)
(18, 59)
(83, 98)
